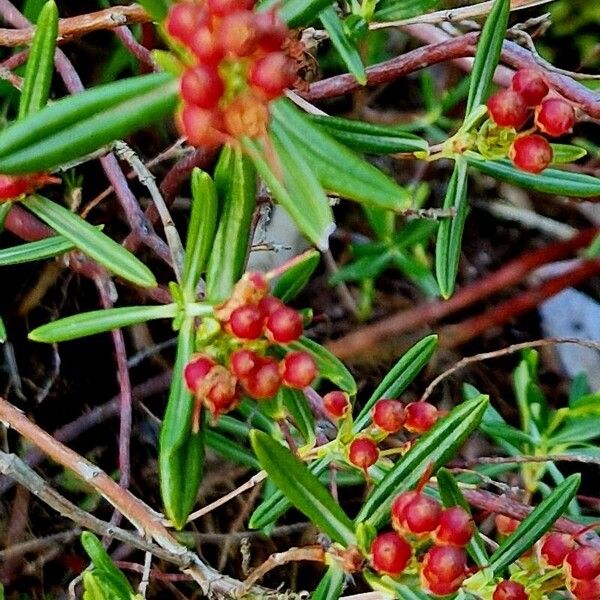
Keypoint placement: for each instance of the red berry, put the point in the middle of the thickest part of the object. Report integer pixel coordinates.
(531, 153)
(284, 325)
(363, 453)
(265, 380)
(246, 116)
(196, 370)
(259, 283)
(336, 404)
(390, 553)
(298, 370)
(236, 33)
(389, 415)
(182, 21)
(444, 569)
(583, 563)
(455, 528)
(585, 589)
(506, 525)
(272, 74)
(246, 322)
(243, 362)
(422, 514)
(531, 85)
(420, 417)
(269, 304)
(271, 31)
(510, 590)
(202, 86)
(223, 394)
(205, 46)
(399, 510)
(555, 117)
(199, 126)
(555, 548)
(222, 8)
(507, 109)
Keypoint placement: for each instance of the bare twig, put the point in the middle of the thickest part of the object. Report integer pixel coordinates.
(507, 460)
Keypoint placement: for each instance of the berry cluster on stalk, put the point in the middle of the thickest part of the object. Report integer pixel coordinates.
(512, 108)
(246, 350)
(237, 64)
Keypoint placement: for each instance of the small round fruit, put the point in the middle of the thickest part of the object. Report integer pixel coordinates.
(182, 21)
(508, 109)
(199, 127)
(259, 283)
(390, 553)
(271, 31)
(422, 514)
(510, 590)
(555, 117)
(196, 370)
(223, 394)
(222, 8)
(456, 527)
(363, 453)
(205, 46)
(398, 510)
(336, 404)
(237, 35)
(269, 304)
(583, 563)
(246, 322)
(264, 382)
(202, 86)
(555, 547)
(389, 415)
(444, 569)
(420, 417)
(531, 85)
(585, 589)
(506, 525)
(298, 370)
(284, 325)
(531, 153)
(243, 362)
(272, 74)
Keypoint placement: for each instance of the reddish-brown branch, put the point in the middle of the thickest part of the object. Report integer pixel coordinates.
(364, 339)
(75, 27)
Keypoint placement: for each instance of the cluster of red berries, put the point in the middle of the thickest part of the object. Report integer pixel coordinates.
(416, 517)
(388, 416)
(553, 116)
(238, 65)
(13, 186)
(253, 325)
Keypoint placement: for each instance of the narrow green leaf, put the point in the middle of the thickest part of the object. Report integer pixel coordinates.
(228, 255)
(535, 524)
(230, 450)
(329, 366)
(433, 449)
(338, 168)
(392, 10)
(365, 267)
(201, 230)
(452, 496)
(343, 44)
(292, 282)
(98, 321)
(181, 452)
(488, 54)
(450, 232)
(302, 488)
(4, 210)
(309, 208)
(3, 334)
(400, 376)
(78, 125)
(38, 250)
(366, 137)
(549, 181)
(40, 63)
(331, 585)
(157, 9)
(296, 404)
(91, 241)
(566, 153)
(297, 12)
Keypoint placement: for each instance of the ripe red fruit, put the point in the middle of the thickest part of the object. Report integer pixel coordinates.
(199, 126)
(223, 394)
(182, 21)
(363, 452)
(510, 590)
(583, 563)
(222, 8)
(243, 362)
(420, 417)
(585, 589)
(284, 325)
(555, 117)
(196, 370)
(236, 33)
(455, 528)
(555, 548)
(246, 322)
(444, 569)
(202, 86)
(269, 304)
(506, 525)
(272, 74)
(259, 283)
(205, 46)
(298, 370)
(531, 153)
(13, 186)
(271, 31)
(508, 109)
(390, 553)
(531, 85)
(264, 381)
(399, 510)
(389, 415)
(336, 404)
(422, 514)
